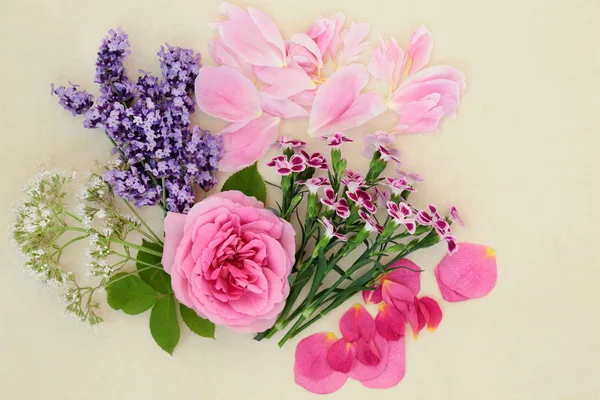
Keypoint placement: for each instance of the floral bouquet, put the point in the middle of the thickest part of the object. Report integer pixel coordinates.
(225, 258)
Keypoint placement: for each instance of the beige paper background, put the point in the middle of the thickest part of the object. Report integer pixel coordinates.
(520, 161)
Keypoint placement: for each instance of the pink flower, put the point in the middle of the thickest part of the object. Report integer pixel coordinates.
(229, 260)
(324, 363)
(381, 196)
(285, 166)
(339, 104)
(374, 142)
(339, 206)
(442, 227)
(313, 184)
(287, 142)
(470, 273)
(337, 139)
(455, 216)
(353, 180)
(315, 160)
(370, 222)
(362, 199)
(331, 231)
(426, 95)
(427, 313)
(411, 177)
(398, 185)
(326, 34)
(401, 213)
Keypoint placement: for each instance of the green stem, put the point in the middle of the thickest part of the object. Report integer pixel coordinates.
(133, 210)
(126, 257)
(137, 247)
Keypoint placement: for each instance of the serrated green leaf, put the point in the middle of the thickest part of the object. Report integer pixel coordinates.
(130, 294)
(164, 326)
(249, 182)
(157, 278)
(200, 326)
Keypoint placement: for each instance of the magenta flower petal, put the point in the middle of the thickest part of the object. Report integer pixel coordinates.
(357, 323)
(223, 92)
(394, 369)
(470, 273)
(362, 372)
(341, 356)
(389, 322)
(433, 310)
(407, 276)
(367, 352)
(311, 369)
(372, 296)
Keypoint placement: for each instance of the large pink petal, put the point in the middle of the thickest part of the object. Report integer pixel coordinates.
(223, 92)
(419, 50)
(284, 82)
(386, 63)
(423, 116)
(282, 108)
(357, 323)
(242, 35)
(406, 273)
(341, 356)
(268, 29)
(471, 272)
(225, 56)
(444, 72)
(174, 223)
(362, 372)
(394, 369)
(389, 322)
(336, 95)
(366, 107)
(311, 370)
(246, 143)
(304, 41)
(447, 95)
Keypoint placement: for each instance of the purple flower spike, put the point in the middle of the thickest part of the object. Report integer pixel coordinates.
(340, 206)
(315, 160)
(73, 99)
(398, 185)
(313, 184)
(337, 139)
(353, 181)
(330, 230)
(400, 213)
(363, 199)
(455, 216)
(287, 142)
(285, 167)
(370, 222)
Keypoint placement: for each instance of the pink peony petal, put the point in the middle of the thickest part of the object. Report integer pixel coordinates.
(419, 50)
(311, 369)
(338, 102)
(245, 143)
(282, 83)
(394, 368)
(354, 43)
(469, 273)
(341, 356)
(225, 56)
(223, 92)
(357, 323)
(281, 108)
(389, 322)
(174, 223)
(268, 29)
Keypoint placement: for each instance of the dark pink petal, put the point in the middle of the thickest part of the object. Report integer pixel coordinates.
(470, 273)
(399, 296)
(341, 356)
(311, 369)
(362, 372)
(405, 272)
(419, 318)
(394, 368)
(455, 216)
(424, 218)
(434, 311)
(405, 209)
(357, 323)
(389, 322)
(367, 352)
(372, 296)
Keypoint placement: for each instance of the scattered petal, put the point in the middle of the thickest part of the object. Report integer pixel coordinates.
(311, 369)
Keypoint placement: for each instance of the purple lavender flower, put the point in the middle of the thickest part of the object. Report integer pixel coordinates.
(401, 213)
(337, 139)
(73, 99)
(363, 199)
(339, 206)
(110, 73)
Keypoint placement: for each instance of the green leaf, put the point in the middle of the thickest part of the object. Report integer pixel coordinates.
(249, 182)
(130, 294)
(157, 278)
(199, 326)
(164, 326)
(396, 248)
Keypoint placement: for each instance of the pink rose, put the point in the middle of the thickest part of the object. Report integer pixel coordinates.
(229, 260)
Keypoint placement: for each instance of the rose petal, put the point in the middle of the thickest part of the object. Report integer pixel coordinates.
(372, 296)
(341, 356)
(311, 369)
(174, 224)
(223, 92)
(434, 311)
(394, 368)
(469, 273)
(268, 29)
(406, 274)
(363, 372)
(281, 108)
(389, 322)
(357, 323)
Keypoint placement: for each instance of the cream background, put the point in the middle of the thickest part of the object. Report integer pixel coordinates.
(520, 161)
